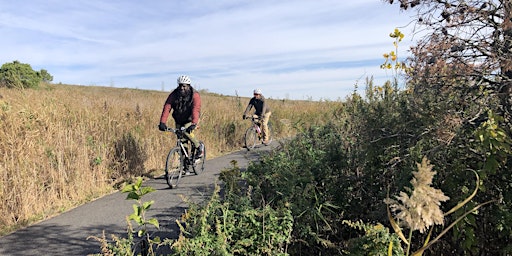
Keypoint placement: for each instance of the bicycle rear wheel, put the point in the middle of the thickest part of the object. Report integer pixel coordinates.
(251, 137)
(198, 165)
(173, 167)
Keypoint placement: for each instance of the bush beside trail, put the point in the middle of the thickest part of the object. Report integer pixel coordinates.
(334, 178)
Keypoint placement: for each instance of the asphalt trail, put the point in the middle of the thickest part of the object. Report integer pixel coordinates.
(67, 233)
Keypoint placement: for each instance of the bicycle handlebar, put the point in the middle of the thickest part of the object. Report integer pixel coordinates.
(253, 118)
(169, 129)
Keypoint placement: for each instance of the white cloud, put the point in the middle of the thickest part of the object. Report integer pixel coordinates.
(294, 49)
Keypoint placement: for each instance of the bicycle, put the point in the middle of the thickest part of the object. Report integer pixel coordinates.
(254, 134)
(182, 158)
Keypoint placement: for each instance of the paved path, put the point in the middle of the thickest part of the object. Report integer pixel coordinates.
(67, 233)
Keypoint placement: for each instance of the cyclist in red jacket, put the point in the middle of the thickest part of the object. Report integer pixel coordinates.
(186, 105)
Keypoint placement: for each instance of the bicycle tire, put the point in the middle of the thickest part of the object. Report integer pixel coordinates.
(250, 138)
(198, 165)
(173, 167)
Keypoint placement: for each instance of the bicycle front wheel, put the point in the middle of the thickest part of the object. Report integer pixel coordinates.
(251, 137)
(173, 167)
(199, 163)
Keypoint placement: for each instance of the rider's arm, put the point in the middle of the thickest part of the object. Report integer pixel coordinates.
(166, 109)
(265, 106)
(196, 108)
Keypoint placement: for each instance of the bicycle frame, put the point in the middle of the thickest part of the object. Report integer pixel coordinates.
(181, 158)
(181, 142)
(257, 126)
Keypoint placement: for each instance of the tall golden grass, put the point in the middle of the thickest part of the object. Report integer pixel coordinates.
(63, 145)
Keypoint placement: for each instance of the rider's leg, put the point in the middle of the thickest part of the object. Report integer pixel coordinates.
(264, 126)
(197, 144)
(190, 136)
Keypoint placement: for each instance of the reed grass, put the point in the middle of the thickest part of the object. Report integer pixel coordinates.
(63, 145)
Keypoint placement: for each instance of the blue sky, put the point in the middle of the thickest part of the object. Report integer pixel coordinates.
(293, 49)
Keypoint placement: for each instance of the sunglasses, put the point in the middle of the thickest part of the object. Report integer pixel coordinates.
(183, 85)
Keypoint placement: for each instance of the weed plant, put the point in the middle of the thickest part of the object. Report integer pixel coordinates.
(232, 225)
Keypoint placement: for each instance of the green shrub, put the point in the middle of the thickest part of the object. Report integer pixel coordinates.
(233, 226)
(20, 75)
(375, 240)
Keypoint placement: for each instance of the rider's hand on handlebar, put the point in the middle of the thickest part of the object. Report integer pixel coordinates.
(191, 128)
(162, 127)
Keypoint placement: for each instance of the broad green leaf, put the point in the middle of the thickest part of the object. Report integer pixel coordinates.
(154, 222)
(128, 188)
(133, 195)
(146, 190)
(147, 205)
(138, 184)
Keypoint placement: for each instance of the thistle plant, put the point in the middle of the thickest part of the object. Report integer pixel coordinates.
(419, 210)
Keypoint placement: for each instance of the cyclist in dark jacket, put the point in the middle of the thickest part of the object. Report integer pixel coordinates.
(262, 111)
(186, 105)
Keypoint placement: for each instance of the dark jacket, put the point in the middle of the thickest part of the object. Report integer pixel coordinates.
(260, 105)
(185, 110)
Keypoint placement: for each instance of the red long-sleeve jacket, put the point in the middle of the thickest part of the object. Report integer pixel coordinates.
(187, 113)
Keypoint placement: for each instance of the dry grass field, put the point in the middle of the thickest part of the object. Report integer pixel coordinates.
(63, 145)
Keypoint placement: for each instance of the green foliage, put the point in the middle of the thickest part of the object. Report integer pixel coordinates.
(376, 240)
(20, 75)
(343, 168)
(303, 174)
(233, 226)
(45, 76)
(135, 192)
(494, 144)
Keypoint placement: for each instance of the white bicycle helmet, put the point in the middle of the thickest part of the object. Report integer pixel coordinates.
(184, 80)
(257, 91)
